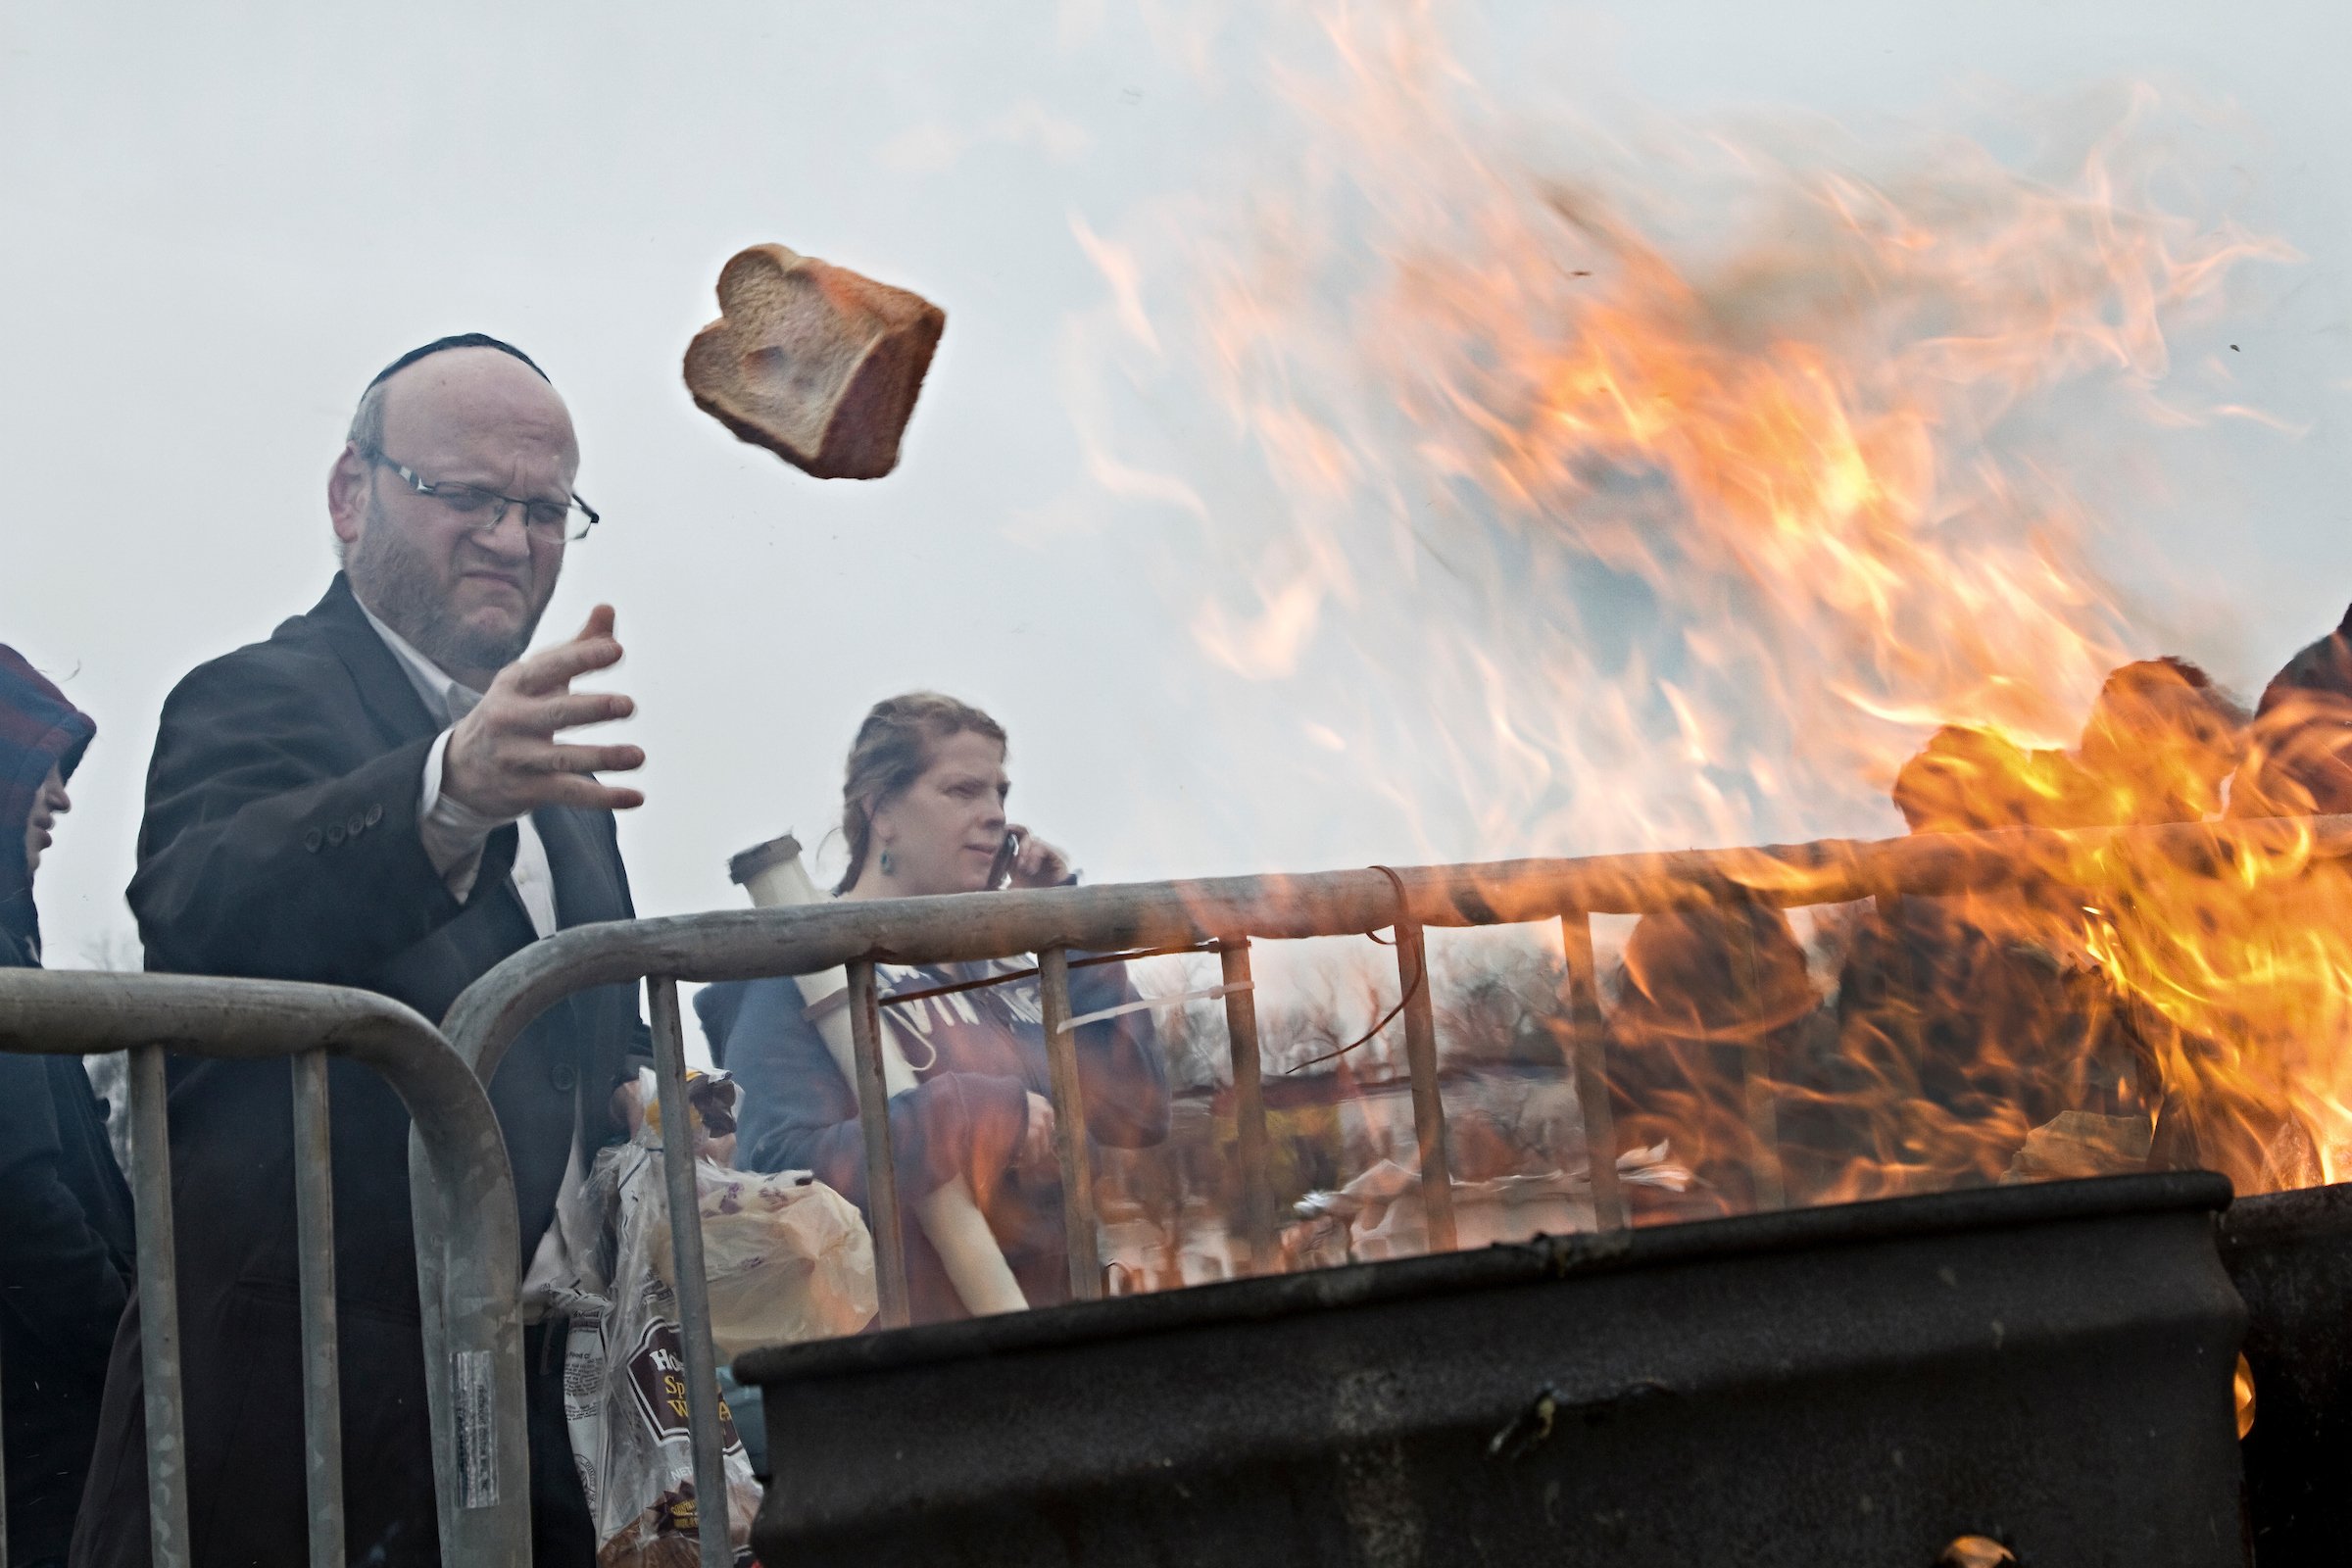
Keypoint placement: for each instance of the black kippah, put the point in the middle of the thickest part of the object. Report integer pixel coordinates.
(463, 340)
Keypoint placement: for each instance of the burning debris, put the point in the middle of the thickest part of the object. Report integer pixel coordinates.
(1711, 1007)
(2001, 1031)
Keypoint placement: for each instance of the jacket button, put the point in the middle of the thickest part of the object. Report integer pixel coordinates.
(356, 827)
(375, 813)
(310, 841)
(334, 832)
(562, 1077)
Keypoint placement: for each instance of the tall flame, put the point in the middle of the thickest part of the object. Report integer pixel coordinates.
(1620, 495)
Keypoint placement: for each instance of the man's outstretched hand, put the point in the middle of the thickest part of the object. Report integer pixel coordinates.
(504, 758)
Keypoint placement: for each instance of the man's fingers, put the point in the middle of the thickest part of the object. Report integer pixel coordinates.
(531, 702)
(550, 669)
(591, 759)
(544, 716)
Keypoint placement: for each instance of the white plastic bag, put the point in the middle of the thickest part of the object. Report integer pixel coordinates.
(787, 1257)
(625, 1378)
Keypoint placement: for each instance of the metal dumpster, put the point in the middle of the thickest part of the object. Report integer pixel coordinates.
(2047, 1368)
(2290, 1255)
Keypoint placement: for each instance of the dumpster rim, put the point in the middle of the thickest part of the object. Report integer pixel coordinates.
(1505, 1264)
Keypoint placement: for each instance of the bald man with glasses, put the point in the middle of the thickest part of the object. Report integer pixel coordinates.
(381, 796)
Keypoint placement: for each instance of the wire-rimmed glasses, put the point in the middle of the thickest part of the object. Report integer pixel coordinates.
(483, 509)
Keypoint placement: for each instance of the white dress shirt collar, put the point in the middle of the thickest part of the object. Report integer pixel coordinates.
(453, 832)
(446, 698)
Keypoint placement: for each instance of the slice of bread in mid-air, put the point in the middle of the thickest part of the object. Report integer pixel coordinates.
(813, 362)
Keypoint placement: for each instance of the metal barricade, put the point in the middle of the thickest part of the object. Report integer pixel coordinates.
(1224, 914)
(467, 1258)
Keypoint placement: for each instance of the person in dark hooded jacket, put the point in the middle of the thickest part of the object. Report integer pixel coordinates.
(65, 1238)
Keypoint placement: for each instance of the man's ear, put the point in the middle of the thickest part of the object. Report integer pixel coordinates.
(347, 494)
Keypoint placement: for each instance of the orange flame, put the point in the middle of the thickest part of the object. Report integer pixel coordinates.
(1665, 523)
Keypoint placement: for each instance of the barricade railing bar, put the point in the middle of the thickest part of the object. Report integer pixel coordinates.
(467, 1262)
(1226, 914)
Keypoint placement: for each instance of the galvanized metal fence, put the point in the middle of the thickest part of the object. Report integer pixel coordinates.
(468, 1252)
(1226, 915)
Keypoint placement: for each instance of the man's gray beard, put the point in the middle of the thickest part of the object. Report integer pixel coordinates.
(393, 579)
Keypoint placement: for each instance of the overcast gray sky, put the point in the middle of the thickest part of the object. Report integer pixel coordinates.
(220, 222)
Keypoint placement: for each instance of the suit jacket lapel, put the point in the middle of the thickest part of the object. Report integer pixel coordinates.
(585, 887)
(390, 697)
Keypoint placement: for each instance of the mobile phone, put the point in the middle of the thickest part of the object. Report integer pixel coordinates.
(1000, 871)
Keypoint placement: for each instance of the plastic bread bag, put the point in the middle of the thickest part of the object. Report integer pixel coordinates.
(786, 1257)
(625, 1375)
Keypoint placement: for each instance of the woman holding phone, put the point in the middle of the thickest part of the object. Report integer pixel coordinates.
(923, 811)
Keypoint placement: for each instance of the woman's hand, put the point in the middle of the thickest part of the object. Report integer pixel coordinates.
(1036, 1154)
(1039, 864)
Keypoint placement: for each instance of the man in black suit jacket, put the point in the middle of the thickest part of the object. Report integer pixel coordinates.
(376, 797)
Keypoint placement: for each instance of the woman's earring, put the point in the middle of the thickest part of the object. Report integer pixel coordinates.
(886, 860)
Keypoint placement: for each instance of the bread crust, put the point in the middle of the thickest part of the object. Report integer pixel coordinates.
(819, 365)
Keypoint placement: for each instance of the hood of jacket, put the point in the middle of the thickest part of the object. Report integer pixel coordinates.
(38, 730)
